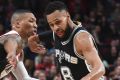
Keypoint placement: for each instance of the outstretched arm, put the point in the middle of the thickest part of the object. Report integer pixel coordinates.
(84, 44)
(34, 41)
(34, 44)
(11, 46)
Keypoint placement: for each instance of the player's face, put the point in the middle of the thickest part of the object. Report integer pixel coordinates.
(58, 22)
(28, 25)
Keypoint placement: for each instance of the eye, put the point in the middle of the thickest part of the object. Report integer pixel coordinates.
(31, 21)
(58, 22)
(51, 25)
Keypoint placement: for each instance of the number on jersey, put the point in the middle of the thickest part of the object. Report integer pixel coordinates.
(66, 73)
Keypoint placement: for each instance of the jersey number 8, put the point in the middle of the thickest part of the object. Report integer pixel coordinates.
(66, 73)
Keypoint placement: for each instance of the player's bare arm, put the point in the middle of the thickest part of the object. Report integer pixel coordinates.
(85, 46)
(12, 46)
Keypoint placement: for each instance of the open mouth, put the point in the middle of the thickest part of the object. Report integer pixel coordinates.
(34, 32)
(59, 33)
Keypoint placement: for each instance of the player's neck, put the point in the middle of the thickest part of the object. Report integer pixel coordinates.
(71, 24)
(23, 36)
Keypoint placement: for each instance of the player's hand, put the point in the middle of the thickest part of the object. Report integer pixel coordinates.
(12, 59)
(34, 44)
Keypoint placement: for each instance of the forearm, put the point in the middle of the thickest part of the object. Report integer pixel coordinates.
(10, 46)
(96, 73)
(11, 51)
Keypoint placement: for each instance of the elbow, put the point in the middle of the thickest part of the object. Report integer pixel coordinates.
(102, 70)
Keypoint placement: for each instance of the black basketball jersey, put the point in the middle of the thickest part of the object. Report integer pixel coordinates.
(71, 65)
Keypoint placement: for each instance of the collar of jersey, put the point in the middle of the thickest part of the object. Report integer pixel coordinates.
(68, 40)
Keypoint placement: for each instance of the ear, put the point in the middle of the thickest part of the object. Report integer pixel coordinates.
(69, 21)
(68, 18)
(67, 13)
(17, 23)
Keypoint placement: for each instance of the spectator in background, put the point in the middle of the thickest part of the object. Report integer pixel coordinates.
(45, 64)
(36, 73)
(42, 75)
(57, 77)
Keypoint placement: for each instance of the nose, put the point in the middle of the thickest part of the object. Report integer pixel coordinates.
(35, 25)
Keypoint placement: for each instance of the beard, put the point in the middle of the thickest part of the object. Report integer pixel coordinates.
(66, 35)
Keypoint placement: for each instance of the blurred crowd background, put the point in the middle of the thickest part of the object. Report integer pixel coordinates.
(100, 17)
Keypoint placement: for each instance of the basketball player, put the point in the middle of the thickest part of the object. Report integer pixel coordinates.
(76, 53)
(23, 24)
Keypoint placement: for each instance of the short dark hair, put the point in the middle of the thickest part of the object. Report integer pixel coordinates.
(18, 13)
(53, 6)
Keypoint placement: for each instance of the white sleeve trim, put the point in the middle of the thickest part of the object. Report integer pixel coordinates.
(77, 54)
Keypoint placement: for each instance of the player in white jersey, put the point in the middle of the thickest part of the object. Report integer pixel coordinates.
(24, 25)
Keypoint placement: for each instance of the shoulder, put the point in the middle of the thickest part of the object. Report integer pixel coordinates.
(82, 35)
(11, 34)
(83, 40)
(12, 37)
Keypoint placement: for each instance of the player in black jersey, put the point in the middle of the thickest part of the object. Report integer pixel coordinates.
(23, 24)
(76, 54)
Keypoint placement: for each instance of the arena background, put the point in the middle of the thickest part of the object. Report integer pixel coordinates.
(100, 17)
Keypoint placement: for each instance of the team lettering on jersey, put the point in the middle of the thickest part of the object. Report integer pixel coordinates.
(65, 56)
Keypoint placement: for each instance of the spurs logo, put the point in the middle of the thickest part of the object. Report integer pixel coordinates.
(65, 56)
